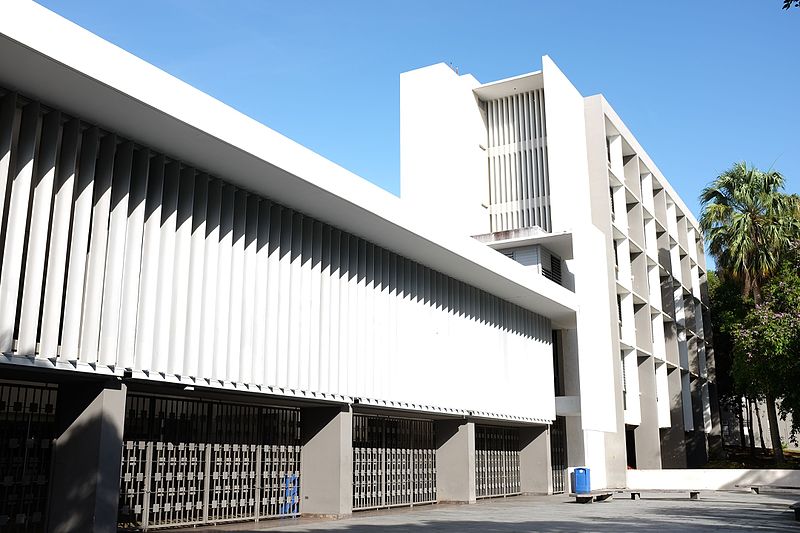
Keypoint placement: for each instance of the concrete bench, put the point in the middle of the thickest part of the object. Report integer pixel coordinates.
(693, 494)
(594, 496)
(756, 489)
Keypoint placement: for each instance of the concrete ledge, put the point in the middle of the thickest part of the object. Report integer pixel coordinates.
(709, 479)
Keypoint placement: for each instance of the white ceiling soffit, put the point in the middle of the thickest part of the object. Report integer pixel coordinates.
(509, 86)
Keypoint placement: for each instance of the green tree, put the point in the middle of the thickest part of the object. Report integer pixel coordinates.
(766, 345)
(749, 225)
(728, 309)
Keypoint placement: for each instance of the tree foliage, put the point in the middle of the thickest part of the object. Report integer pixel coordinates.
(787, 4)
(746, 223)
(728, 309)
(753, 229)
(766, 345)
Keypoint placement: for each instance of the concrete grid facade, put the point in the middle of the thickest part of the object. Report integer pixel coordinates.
(560, 168)
(203, 322)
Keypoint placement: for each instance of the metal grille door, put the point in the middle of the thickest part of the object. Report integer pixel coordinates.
(190, 462)
(27, 419)
(558, 453)
(176, 482)
(394, 462)
(496, 461)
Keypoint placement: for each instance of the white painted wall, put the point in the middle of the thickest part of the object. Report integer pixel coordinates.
(569, 196)
(443, 145)
(710, 479)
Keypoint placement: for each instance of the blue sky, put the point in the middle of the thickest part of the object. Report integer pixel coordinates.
(700, 84)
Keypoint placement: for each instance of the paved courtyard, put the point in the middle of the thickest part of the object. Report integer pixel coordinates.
(657, 512)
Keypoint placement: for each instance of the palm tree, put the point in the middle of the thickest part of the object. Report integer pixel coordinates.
(749, 224)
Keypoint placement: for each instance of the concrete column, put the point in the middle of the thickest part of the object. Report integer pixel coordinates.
(648, 439)
(576, 451)
(673, 444)
(715, 450)
(87, 453)
(696, 444)
(455, 461)
(326, 467)
(534, 460)
(615, 445)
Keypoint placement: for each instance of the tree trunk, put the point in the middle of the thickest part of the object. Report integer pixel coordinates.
(760, 427)
(742, 439)
(757, 293)
(750, 427)
(746, 285)
(774, 430)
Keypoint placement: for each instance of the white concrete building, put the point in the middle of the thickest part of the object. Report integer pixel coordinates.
(527, 164)
(216, 324)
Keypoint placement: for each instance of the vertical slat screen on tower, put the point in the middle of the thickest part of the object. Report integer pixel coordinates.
(519, 187)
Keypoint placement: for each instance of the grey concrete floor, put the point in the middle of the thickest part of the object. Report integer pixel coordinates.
(656, 512)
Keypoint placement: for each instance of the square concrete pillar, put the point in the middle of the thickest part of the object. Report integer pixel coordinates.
(648, 437)
(87, 453)
(673, 445)
(455, 461)
(326, 461)
(535, 469)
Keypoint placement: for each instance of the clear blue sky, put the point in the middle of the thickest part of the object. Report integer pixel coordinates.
(700, 84)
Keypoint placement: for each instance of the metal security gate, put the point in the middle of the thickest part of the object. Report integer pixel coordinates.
(496, 461)
(27, 430)
(394, 462)
(192, 462)
(558, 453)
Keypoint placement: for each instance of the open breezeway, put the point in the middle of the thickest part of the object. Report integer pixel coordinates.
(656, 513)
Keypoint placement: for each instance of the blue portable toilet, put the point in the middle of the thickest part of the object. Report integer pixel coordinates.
(581, 481)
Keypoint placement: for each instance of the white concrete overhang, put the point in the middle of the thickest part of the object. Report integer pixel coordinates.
(274, 392)
(508, 86)
(46, 57)
(559, 242)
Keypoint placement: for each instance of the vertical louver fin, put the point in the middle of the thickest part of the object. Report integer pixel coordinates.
(519, 188)
(116, 256)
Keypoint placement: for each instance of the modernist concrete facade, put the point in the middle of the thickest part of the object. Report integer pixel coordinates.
(202, 321)
(526, 164)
